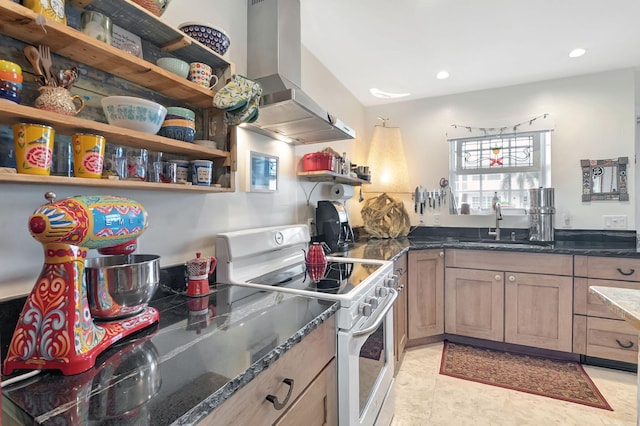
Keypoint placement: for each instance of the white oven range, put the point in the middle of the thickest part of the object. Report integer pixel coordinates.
(273, 259)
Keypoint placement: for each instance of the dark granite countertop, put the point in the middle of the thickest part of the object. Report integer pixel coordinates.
(586, 243)
(178, 371)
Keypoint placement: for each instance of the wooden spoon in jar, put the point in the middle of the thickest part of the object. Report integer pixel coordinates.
(33, 56)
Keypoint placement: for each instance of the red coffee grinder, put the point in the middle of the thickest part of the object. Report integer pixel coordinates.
(199, 270)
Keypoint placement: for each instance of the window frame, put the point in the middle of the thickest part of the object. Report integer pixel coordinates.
(541, 165)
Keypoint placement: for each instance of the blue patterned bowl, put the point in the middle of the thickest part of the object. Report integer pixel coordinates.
(10, 96)
(180, 133)
(134, 113)
(214, 39)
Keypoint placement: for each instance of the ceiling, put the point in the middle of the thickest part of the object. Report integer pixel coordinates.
(400, 45)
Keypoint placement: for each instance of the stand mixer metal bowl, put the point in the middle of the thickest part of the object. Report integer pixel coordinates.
(121, 286)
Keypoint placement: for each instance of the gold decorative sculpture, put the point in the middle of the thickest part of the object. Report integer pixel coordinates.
(385, 217)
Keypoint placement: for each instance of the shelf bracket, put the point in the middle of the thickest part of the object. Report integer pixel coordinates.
(176, 44)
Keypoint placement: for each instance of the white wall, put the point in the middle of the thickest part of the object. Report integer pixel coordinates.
(329, 93)
(594, 119)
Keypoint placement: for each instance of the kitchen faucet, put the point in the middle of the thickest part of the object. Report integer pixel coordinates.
(498, 210)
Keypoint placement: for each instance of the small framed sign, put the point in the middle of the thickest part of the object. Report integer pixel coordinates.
(263, 172)
(127, 41)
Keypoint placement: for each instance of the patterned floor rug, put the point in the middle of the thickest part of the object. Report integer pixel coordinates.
(565, 380)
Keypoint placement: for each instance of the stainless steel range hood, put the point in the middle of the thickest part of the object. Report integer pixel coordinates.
(273, 59)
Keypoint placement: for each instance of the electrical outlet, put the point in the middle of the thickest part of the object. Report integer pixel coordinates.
(311, 224)
(436, 220)
(567, 220)
(615, 221)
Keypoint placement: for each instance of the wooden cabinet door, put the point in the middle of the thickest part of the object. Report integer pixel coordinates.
(400, 321)
(318, 404)
(474, 303)
(425, 293)
(539, 310)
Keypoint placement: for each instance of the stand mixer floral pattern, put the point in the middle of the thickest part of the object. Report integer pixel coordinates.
(55, 329)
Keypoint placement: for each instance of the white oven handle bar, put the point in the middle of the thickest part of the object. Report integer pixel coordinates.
(373, 327)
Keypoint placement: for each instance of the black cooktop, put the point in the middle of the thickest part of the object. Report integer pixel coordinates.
(337, 278)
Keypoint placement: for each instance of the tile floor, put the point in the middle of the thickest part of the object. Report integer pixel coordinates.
(424, 397)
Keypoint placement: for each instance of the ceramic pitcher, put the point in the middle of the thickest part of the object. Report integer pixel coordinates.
(60, 100)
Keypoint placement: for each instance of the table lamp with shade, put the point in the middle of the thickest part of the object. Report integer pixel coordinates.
(384, 216)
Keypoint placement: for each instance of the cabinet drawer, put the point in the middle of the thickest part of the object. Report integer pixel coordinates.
(585, 303)
(611, 339)
(318, 405)
(400, 265)
(537, 263)
(302, 363)
(608, 268)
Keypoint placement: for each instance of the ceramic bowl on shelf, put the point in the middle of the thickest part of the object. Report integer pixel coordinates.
(214, 38)
(180, 113)
(134, 113)
(10, 86)
(174, 65)
(180, 133)
(6, 95)
(10, 67)
(11, 76)
(179, 122)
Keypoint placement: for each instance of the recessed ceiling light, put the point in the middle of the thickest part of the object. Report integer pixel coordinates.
(577, 52)
(442, 75)
(386, 95)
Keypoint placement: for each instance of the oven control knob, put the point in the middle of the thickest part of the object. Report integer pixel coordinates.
(365, 309)
(381, 292)
(391, 281)
(373, 302)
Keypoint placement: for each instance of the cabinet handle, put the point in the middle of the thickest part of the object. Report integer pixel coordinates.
(498, 277)
(629, 346)
(626, 274)
(512, 278)
(399, 271)
(274, 399)
(399, 289)
(441, 254)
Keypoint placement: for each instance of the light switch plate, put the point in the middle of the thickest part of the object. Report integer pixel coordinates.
(615, 221)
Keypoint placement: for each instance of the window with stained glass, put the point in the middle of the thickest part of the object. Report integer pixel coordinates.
(508, 165)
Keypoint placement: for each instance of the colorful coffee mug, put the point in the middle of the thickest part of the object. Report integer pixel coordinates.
(88, 155)
(182, 170)
(34, 148)
(201, 172)
(202, 74)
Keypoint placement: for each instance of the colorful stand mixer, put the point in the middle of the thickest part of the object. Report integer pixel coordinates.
(56, 329)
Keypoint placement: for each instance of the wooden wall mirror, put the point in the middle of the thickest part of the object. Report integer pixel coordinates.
(605, 179)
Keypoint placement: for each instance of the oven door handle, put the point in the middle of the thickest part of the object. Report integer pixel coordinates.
(373, 327)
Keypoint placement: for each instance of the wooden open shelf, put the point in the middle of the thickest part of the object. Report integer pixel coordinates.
(19, 22)
(11, 113)
(136, 19)
(327, 176)
(104, 183)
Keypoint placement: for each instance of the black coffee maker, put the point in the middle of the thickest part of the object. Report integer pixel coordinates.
(332, 225)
